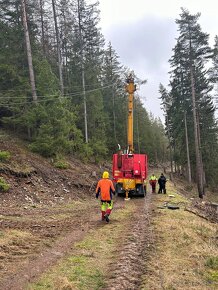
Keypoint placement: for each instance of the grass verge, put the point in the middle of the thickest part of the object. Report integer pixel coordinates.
(185, 253)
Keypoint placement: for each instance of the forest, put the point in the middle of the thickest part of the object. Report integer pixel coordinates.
(62, 89)
(188, 103)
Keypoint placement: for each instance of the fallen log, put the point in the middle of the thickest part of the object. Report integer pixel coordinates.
(201, 215)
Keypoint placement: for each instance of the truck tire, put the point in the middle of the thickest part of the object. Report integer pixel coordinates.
(141, 190)
(119, 189)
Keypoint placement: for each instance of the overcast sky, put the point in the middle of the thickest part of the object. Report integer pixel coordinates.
(143, 34)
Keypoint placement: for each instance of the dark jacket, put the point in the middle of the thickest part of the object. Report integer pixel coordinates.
(162, 180)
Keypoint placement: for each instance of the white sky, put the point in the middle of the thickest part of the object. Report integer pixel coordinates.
(143, 34)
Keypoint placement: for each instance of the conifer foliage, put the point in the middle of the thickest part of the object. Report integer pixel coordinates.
(79, 105)
(189, 105)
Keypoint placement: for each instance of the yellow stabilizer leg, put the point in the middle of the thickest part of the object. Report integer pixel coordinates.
(127, 195)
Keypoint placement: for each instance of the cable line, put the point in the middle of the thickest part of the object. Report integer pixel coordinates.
(58, 95)
(68, 96)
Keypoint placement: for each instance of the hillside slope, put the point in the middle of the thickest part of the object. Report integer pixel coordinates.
(34, 180)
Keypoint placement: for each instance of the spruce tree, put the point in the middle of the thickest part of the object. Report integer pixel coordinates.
(86, 60)
(191, 93)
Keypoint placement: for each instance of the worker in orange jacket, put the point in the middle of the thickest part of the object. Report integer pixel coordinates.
(105, 189)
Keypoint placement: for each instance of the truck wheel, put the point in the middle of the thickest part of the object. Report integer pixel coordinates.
(141, 190)
(119, 190)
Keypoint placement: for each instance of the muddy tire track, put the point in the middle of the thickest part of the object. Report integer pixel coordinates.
(132, 254)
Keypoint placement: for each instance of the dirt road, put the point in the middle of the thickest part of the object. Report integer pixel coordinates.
(35, 239)
(144, 246)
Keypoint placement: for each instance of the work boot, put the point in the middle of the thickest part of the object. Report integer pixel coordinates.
(106, 216)
(102, 215)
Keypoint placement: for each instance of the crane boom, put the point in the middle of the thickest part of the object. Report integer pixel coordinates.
(130, 88)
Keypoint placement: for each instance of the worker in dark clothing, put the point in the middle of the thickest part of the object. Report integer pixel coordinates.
(105, 189)
(162, 184)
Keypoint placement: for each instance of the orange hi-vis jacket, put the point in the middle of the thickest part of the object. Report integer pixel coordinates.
(105, 187)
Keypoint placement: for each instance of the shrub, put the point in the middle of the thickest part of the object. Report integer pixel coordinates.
(99, 149)
(85, 152)
(3, 185)
(4, 156)
(61, 164)
(212, 262)
(56, 132)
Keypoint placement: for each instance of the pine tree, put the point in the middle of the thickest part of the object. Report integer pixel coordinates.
(214, 68)
(87, 58)
(14, 84)
(29, 51)
(167, 103)
(191, 91)
(57, 33)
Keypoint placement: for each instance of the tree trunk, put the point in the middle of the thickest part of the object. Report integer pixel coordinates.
(156, 158)
(174, 152)
(58, 48)
(66, 69)
(83, 73)
(197, 149)
(18, 19)
(171, 155)
(187, 150)
(199, 142)
(29, 51)
(114, 115)
(41, 3)
(113, 98)
(84, 101)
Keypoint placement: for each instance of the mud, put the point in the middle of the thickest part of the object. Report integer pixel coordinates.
(54, 242)
(132, 251)
(51, 238)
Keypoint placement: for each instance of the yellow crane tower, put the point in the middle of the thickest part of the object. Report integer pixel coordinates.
(130, 88)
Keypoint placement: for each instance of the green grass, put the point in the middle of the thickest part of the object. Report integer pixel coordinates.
(211, 274)
(73, 274)
(212, 263)
(4, 156)
(3, 185)
(61, 164)
(212, 277)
